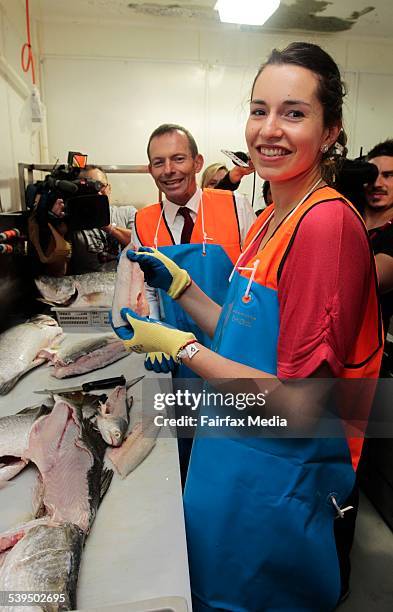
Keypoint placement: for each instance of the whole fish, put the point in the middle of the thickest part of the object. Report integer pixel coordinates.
(20, 347)
(87, 355)
(95, 289)
(129, 290)
(47, 558)
(57, 290)
(81, 290)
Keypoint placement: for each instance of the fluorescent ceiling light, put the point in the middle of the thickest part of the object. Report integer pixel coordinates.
(248, 12)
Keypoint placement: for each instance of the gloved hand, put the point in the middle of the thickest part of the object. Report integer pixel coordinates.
(144, 335)
(160, 271)
(159, 362)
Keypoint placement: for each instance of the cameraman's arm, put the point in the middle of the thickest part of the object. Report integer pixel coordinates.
(121, 234)
(122, 221)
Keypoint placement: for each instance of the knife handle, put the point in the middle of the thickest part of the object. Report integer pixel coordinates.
(104, 383)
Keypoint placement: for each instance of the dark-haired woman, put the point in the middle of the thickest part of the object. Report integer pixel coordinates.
(302, 304)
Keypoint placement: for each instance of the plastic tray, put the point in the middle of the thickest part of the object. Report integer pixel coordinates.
(75, 318)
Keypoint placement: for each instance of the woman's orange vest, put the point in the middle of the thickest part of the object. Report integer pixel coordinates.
(364, 360)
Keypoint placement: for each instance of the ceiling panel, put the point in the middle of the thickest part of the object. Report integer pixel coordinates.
(353, 17)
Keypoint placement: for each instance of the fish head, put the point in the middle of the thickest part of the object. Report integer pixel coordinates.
(112, 429)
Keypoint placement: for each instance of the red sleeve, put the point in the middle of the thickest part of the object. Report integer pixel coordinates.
(323, 291)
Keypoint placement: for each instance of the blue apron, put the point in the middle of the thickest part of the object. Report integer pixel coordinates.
(210, 272)
(259, 515)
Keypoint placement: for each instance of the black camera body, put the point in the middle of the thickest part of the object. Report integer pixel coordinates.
(353, 176)
(84, 206)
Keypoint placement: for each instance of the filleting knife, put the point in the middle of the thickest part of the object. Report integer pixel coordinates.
(93, 385)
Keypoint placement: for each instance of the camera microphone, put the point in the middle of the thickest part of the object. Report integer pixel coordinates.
(62, 185)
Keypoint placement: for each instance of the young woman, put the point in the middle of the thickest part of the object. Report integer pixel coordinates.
(302, 304)
(212, 175)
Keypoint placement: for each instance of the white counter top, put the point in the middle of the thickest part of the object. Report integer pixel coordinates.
(137, 547)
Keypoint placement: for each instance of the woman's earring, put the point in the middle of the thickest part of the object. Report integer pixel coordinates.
(325, 148)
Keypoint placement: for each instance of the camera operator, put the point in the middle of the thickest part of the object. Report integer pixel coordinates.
(92, 250)
(378, 216)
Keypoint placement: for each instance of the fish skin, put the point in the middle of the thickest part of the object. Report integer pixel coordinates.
(129, 289)
(9, 538)
(47, 558)
(80, 290)
(15, 430)
(20, 347)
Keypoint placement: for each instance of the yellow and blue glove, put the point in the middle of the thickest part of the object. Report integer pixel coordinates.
(144, 335)
(159, 362)
(160, 271)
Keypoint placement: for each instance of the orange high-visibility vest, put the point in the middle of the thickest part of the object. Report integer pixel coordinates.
(364, 360)
(220, 222)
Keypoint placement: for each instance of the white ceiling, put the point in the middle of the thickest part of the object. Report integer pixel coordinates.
(294, 15)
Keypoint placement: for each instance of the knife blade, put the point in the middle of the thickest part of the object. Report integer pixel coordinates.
(133, 382)
(103, 383)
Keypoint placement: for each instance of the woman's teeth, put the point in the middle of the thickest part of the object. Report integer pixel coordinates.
(273, 152)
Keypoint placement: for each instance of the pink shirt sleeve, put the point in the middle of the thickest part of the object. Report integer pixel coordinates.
(323, 291)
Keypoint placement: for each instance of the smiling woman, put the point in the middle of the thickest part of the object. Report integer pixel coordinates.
(302, 304)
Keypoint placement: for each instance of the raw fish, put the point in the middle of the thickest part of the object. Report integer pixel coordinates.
(20, 347)
(129, 290)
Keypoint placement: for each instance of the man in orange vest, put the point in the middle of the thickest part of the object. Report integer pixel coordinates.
(201, 230)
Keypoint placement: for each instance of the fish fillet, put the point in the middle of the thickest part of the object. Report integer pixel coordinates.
(86, 355)
(129, 289)
(134, 449)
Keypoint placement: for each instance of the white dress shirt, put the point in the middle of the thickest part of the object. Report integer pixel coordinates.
(175, 223)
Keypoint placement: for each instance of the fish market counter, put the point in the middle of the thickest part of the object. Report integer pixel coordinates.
(136, 549)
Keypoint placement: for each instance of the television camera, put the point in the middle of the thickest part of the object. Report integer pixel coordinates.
(84, 206)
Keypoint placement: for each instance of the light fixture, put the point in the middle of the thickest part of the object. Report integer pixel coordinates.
(247, 12)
